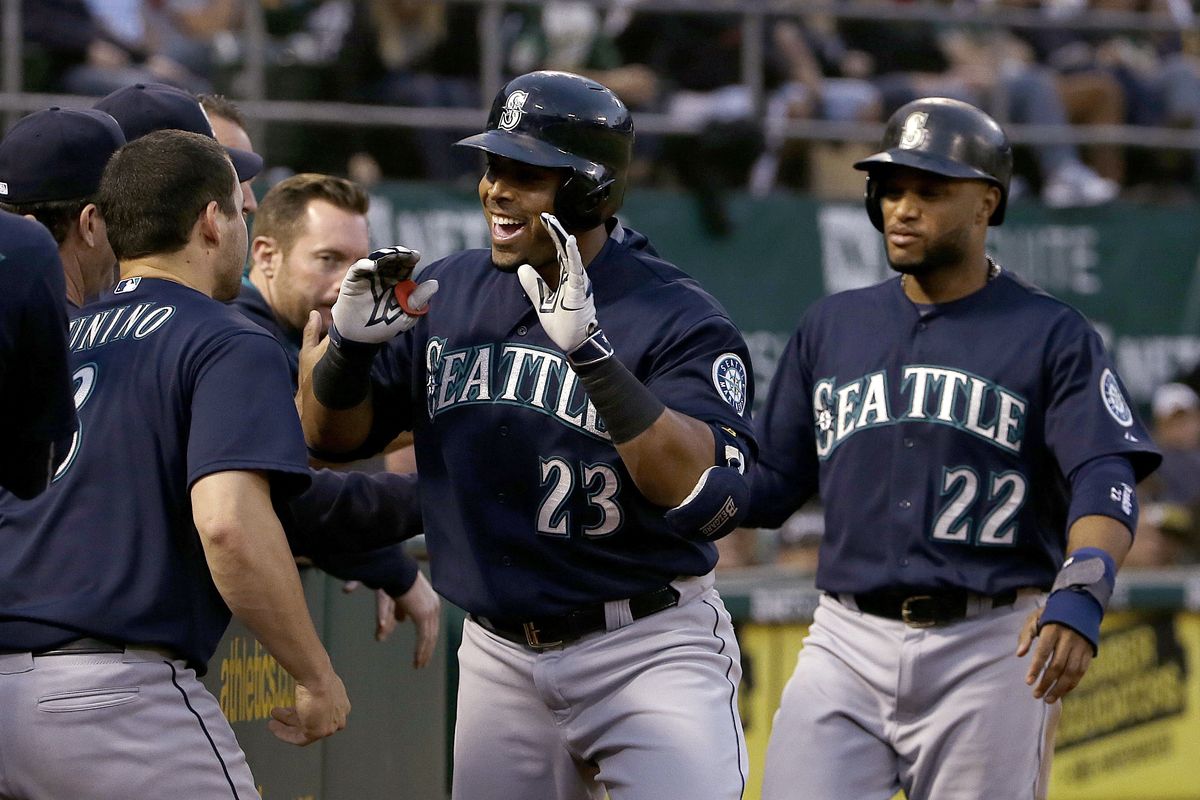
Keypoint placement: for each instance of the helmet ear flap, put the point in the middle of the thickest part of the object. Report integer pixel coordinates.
(871, 200)
(580, 202)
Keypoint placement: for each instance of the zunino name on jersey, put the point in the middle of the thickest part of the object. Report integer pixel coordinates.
(510, 374)
(114, 324)
(930, 394)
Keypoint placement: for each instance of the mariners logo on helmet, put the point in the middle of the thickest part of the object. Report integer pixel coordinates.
(514, 106)
(1114, 399)
(914, 131)
(729, 376)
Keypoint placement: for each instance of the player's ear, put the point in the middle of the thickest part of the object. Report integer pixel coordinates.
(208, 224)
(991, 201)
(88, 220)
(264, 253)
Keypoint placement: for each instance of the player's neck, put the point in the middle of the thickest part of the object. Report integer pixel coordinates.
(948, 285)
(73, 275)
(153, 268)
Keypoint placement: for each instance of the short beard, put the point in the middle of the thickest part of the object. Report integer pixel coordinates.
(948, 251)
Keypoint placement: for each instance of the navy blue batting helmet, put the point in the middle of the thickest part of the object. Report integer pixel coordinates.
(567, 122)
(946, 137)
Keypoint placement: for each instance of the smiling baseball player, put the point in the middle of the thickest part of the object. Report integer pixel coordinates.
(572, 475)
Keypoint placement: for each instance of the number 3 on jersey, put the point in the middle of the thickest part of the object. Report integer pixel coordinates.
(1006, 494)
(84, 381)
(599, 482)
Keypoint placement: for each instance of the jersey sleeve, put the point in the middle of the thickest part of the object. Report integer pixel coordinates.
(38, 402)
(37, 408)
(706, 374)
(786, 473)
(243, 415)
(1088, 412)
(353, 512)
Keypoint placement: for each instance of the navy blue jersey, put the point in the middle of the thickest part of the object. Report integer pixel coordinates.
(941, 438)
(528, 508)
(252, 304)
(171, 386)
(351, 525)
(35, 387)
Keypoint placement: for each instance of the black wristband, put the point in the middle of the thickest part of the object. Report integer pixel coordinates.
(342, 377)
(627, 407)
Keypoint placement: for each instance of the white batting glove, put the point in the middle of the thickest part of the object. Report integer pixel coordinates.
(378, 299)
(567, 313)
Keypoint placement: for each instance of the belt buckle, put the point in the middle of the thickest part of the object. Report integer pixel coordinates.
(534, 640)
(907, 612)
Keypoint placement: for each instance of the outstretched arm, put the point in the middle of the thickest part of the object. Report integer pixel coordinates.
(253, 570)
(377, 301)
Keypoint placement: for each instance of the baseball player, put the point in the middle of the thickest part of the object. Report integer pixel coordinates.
(309, 230)
(118, 581)
(37, 417)
(336, 522)
(572, 475)
(974, 449)
(229, 127)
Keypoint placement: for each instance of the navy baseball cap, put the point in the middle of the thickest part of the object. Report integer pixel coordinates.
(146, 107)
(57, 154)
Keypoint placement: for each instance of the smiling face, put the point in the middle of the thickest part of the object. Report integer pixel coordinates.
(930, 222)
(514, 195)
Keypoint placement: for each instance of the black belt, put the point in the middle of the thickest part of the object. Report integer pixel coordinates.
(547, 632)
(922, 609)
(81, 647)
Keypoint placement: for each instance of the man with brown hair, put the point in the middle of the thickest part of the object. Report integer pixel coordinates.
(308, 230)
(117, 583)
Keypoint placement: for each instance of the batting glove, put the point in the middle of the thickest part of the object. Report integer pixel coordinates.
(378, 298)
(568, 312)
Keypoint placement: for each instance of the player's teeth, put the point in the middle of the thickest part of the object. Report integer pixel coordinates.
(506, 221)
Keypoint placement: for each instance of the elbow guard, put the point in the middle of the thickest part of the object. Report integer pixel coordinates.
(715, 507)
(719, 501)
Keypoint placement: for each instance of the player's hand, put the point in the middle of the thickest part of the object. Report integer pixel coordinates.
(567, 312)
(422, 604)
(1060, 658)
(378, 299)
(320, 711)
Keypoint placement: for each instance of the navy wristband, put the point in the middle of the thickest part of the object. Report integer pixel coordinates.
(342, 377)
(627, 407)
(1080, 593)
(1079, 611)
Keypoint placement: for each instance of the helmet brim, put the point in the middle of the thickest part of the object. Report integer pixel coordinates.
(924, 162)
(528, 150)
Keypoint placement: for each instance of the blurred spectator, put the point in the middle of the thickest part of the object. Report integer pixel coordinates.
(1091, 94)
(92, 47)
(577, 37)
(1176, 410)
(186, 31)
(698, 61)
(821, 84)
(911, 59)
(401, 52)
(1168, 530)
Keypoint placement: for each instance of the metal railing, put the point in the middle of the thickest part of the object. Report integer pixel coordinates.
(259, 109)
